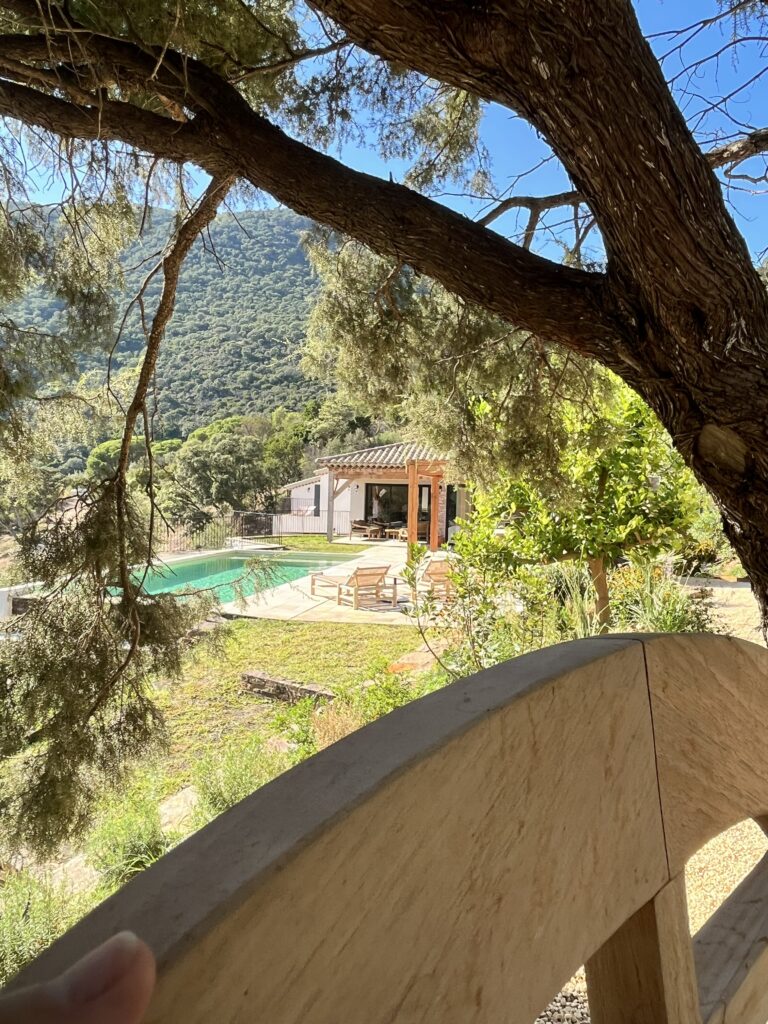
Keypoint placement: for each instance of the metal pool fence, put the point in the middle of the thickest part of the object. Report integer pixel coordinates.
(241, 527)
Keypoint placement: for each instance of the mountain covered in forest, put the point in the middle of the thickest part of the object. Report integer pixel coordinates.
(233, 345)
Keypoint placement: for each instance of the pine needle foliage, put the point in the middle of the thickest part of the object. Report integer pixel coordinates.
(461, 379)
(75, 698)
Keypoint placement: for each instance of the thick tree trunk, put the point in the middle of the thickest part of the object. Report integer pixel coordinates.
(599, 579)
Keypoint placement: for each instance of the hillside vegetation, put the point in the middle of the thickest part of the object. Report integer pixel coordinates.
(233, 344)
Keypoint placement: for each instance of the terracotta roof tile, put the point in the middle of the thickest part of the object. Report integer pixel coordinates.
(384, 456)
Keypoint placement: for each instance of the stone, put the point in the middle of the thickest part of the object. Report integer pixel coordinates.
(282, 689)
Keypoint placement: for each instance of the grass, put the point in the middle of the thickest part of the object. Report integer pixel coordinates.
(208, 706)
(316, 542)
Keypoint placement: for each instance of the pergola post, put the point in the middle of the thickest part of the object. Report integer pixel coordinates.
(331, 500)
(434, 509)
(413, 501)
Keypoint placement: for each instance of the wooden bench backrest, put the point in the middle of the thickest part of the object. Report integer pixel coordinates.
(368, 575)
(457, 860)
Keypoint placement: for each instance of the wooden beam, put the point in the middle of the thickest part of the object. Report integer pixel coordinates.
(711, 776)
(331, 500)
(731, 955)
(644, 974)
(434, 508)
(413, 501)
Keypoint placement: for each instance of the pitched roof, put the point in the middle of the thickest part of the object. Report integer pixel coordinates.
(384, 456)
(302, 483)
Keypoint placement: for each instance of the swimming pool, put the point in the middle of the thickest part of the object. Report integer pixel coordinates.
(221, 573)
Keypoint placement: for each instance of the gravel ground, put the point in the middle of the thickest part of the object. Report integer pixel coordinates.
(711, 875)
(570, 1007)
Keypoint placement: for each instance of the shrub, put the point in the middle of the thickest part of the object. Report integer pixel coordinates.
(645, 598)
(33, 913)
(385, 692)
(225, 777)
(295, 723)
(312, 726)
(572, 589)
(128, 836)
(704, 545)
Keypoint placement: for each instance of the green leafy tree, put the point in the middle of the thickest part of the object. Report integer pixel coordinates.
(452, 374)
(623, 489)
(239, 462)
(103, 459)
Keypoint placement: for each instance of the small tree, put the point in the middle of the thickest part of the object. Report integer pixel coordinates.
(623, 488)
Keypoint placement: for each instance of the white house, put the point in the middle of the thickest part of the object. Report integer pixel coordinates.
(389, 490)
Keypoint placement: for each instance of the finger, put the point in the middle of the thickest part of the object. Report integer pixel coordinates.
(111, 985)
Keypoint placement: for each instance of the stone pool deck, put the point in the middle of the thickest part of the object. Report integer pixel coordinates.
(293, 601)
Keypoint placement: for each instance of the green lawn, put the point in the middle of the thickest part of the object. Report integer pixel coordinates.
(207, 706)
(316, 542)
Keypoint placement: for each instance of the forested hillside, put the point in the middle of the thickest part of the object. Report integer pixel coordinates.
(233, 343)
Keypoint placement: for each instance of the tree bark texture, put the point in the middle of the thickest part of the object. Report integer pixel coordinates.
(599, 577)
(680, 313)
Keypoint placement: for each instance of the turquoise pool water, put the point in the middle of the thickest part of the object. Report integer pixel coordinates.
(222, 573)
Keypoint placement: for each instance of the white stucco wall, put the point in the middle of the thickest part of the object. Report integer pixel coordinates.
(303, 497)
(350, 503)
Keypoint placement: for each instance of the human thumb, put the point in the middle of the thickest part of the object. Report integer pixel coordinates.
(110, 985)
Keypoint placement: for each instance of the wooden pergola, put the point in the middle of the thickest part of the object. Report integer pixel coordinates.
(401, 463)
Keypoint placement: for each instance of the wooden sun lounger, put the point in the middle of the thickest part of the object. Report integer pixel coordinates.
(365, 581)
(435, 577)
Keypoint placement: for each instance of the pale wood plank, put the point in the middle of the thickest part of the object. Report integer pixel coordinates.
(434, 508)
(453, 862)
(709, 697)
(413, 502)
(731, 952)
(645, 973)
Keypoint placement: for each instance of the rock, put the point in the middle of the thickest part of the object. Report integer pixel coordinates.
(282, 689)
(175, 810)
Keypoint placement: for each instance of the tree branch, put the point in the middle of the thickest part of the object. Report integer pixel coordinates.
(621, 137)
(200, 217)
(291, 60)
(536, 205)
(739, 150)
(728, 155)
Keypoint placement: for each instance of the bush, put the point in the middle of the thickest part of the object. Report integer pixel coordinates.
(311, 726)
(385, 692)
(295, 724)
(704, 545)
(128, 836)
(646, 599)
(226, 777)
(33, 913)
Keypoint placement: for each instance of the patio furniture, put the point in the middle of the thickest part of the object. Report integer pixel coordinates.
(434, 578)
(401, 532)
(370, 530)
(358, 526)
(365, 581)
